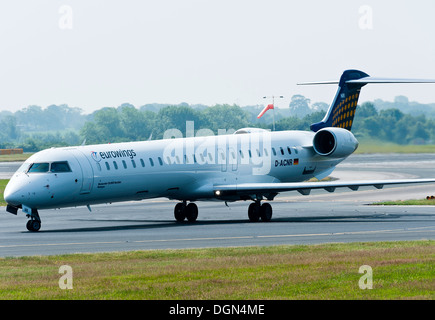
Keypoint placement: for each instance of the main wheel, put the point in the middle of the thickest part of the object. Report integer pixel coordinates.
(266, 212)
(191, 212)
(179, 212)
(254, 212)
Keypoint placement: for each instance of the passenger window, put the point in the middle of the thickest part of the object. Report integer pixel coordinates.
(151, 162)
(265, 152)
(107, 166)
(289, 151)
(115, 165)
(38, 167)
(282, 150)
(142, 163)
(133, 163)
(124, 164)
(160, 161)
(61, 166)
(273, 151)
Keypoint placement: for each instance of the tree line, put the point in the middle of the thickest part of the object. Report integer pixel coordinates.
(65, 126)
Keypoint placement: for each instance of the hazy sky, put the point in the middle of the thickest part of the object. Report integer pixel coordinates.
(97, 53)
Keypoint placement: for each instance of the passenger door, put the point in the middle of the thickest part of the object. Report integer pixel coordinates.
(87, 171)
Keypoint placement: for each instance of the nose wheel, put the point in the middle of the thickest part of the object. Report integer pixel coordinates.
(34, 224)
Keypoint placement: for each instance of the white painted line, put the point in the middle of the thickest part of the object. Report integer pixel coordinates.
(407, 230)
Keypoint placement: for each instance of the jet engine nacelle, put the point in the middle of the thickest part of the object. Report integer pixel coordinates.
(334, 142)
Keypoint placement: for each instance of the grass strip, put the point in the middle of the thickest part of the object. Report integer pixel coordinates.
(3, 183)
(15, 157)
(417, 202)
(401, 270)
(377, 146)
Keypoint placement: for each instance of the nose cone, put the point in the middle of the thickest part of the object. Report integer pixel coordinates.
(12, 194)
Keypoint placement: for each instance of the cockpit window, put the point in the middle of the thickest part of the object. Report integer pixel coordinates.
(61, 166)
(55, 167)
(39, 167)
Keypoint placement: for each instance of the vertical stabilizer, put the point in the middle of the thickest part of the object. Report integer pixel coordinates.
(342, 109)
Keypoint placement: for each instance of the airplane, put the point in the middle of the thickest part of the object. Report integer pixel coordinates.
(250, 164)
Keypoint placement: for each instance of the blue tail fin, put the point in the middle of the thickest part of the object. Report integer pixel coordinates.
(342, 109)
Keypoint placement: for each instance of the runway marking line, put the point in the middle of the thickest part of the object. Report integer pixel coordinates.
(410, 230)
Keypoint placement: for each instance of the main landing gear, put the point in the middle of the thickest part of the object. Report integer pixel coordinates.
(257, 211)
(183, 211)
(34, 224)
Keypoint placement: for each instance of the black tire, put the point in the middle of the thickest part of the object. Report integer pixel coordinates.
(266, 212)
(33, 225)
(191, 212)
(254, 212)
(180, 212)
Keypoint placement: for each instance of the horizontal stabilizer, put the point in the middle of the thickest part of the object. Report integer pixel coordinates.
(389, 80)
(367, 80)
(317, 82)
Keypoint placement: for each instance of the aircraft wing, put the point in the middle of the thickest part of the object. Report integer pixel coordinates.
(304, 188)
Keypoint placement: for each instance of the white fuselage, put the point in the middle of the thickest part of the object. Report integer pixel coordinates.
(183, 169)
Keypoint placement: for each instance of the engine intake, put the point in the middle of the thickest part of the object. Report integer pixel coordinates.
(334, 142)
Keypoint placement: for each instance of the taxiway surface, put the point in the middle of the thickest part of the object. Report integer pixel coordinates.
(343, 216)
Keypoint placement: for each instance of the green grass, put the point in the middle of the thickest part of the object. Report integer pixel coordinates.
(15, 157)
(418, 202)
(3, 183)
(376, 146)
(401, 270)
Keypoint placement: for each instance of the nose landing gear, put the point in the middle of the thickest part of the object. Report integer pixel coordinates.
(34, 224)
